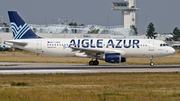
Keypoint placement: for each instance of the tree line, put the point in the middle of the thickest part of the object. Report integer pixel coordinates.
(150, 31)
(151, 34)
(175, 34)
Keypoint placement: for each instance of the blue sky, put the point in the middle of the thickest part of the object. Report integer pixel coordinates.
(165, 14)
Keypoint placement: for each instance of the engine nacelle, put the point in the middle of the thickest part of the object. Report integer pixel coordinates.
(112, 58)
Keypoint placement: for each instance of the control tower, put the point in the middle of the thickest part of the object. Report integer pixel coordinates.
(128, 8)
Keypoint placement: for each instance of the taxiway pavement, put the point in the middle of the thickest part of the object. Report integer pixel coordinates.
(40, 68)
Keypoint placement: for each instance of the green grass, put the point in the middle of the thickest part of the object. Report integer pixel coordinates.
(91, 87)
(19, 84)
(25, 56)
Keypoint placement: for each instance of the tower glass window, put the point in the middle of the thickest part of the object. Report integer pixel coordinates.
(122, 4)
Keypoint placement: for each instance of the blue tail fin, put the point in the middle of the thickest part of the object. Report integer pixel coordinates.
(20, 29)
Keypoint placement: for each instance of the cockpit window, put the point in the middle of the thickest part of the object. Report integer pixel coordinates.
(162, 45)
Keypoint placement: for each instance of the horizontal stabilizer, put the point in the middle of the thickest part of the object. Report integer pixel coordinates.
(16, 42)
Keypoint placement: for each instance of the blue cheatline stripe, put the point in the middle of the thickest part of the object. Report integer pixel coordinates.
(16, 29)
(19, 31)
(24, 33)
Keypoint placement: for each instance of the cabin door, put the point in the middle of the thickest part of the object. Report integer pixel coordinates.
(39, 45)
(151, 45)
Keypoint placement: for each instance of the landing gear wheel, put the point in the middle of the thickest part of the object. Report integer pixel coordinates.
(96, 62)
(151, 64)
(151, 61)
(91, 63)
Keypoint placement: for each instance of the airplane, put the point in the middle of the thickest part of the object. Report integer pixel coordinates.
(109, 50)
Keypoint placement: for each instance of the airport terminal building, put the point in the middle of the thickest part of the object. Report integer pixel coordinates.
(62, 30)
(128, 8)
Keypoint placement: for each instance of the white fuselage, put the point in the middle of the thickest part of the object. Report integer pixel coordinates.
(127, 47)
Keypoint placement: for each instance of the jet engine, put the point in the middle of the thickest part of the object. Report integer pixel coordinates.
(112, 58)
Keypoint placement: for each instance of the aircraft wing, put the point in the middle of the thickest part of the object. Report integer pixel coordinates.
(21, 43)
(93, 52)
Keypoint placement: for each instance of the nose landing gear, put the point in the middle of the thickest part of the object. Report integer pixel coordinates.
(151, 61)
(96, 62)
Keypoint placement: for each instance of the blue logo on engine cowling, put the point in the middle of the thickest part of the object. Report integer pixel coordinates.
(99, 43)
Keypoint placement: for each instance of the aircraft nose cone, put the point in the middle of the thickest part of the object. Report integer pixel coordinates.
(172, 51)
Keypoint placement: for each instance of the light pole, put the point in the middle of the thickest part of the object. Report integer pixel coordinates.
(107, 20)
(45, 19)
(146, 23)
(137, 23)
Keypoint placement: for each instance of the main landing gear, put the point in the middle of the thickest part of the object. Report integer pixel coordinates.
(151, 61)
(96, 62)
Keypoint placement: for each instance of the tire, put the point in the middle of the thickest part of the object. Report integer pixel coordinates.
(91, 63)
(151, 64)
(96, 62)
